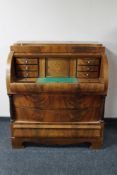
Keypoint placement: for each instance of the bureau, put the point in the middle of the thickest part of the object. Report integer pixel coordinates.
(57, 93)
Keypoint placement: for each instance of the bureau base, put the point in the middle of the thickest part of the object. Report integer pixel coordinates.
(57, 135)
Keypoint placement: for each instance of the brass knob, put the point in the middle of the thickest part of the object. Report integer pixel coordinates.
(26, 61)
(26, 74)
(26, 67)
(88, 61)
(87, 75)
(88, 68)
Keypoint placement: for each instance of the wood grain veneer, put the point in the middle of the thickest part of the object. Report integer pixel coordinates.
(57, 113)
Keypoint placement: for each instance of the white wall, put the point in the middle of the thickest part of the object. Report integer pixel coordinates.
(72, 20)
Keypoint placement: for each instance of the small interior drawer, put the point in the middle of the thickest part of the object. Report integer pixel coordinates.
(88, 61)
(27, 74)
(87, 68)
(87, 74)
(26, 61)
(26, 67)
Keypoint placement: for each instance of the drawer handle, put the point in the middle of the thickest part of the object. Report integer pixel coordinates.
(88, 61)
(87, 75)
(26, 75)
(26, 61)
(88, 68)
(26, 67)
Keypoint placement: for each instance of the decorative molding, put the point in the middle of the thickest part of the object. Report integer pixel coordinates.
(108, 121)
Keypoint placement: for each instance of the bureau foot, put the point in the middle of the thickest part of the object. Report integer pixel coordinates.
(21, 142)
(96, 145)
(17, 143)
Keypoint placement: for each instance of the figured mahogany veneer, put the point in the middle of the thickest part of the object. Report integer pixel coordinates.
(57, 113)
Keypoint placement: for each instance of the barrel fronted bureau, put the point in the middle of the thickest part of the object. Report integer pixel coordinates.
(57, 93)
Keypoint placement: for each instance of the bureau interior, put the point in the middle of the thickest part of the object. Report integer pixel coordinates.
(85, 68)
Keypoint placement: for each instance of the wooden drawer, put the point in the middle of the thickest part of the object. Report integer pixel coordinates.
(27, 74)
(88, 61)
(87, 68)
(87, 74)
(56, 131)
(57, 101)
(34, 114)
(26, 67)
(26, 61)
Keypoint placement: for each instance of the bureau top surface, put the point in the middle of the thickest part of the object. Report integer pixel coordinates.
(57, 43)
(54, 46)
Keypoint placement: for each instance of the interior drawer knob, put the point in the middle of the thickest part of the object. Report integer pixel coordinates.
(26, 67)
(88, 68)
(87, 75)
(88, 61)
(26, 61)
(26, 74)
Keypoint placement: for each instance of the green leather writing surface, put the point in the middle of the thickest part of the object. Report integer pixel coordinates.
(57, 80)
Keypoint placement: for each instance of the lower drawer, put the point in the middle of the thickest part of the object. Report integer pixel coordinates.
(52, 133)
(88, 114)
(57, 130)
(58, 101)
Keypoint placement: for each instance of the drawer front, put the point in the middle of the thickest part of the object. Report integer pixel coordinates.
(27, 67)
(58, 131)
(34, 114)
(27, 74)
(87, 68)
(26, 61)
(47, 101)
(87, 74)
(86, 61)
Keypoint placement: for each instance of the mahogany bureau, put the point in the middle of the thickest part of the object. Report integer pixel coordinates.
(57, 93)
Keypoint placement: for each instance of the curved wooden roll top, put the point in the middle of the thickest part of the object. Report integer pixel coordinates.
(29, 61)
